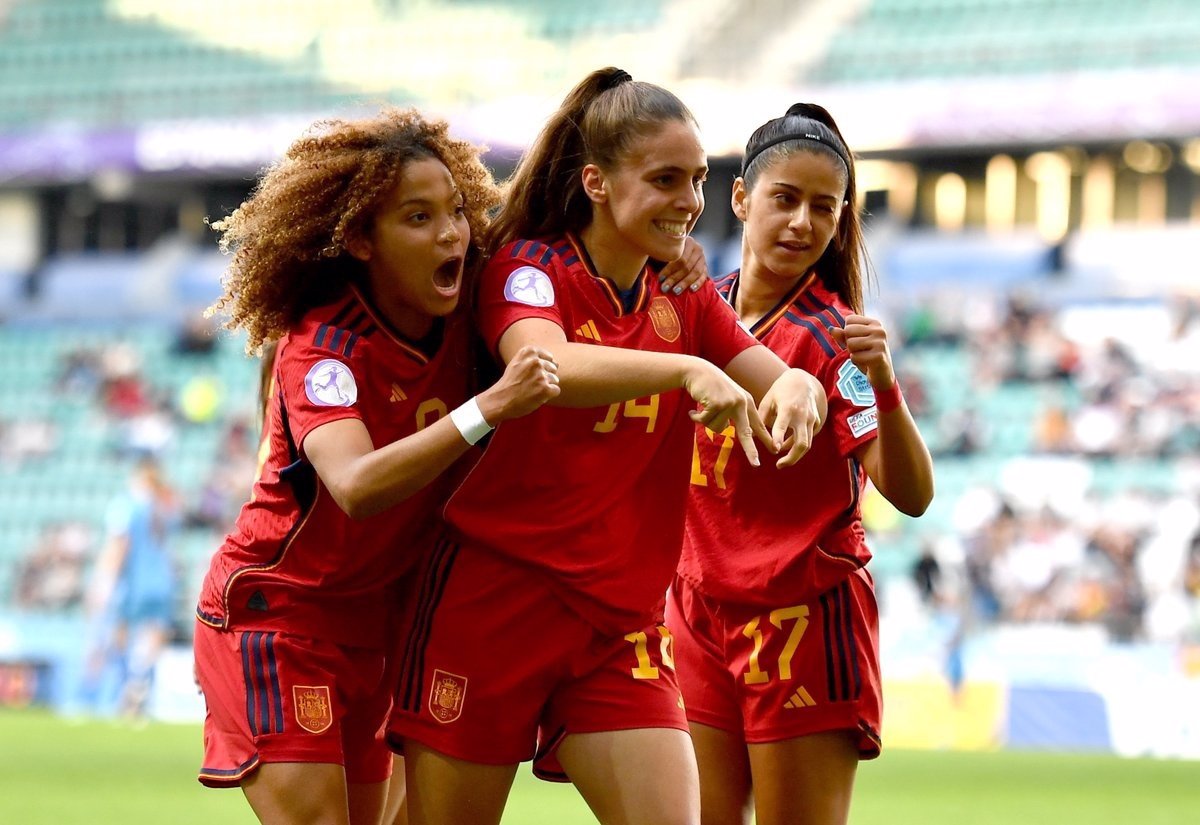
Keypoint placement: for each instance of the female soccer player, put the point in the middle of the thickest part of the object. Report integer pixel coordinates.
(542, 611)
(352, 252)
(772, 610)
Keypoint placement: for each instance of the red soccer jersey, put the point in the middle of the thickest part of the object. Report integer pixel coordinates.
(592, 497)
(295, 561)
(760, 535)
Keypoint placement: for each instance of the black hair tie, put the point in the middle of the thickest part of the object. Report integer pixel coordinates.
(616, 79)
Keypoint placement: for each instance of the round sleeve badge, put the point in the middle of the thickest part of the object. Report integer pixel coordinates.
(330, 383)
(529, 285)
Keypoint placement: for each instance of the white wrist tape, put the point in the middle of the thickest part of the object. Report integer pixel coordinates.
(470, 421)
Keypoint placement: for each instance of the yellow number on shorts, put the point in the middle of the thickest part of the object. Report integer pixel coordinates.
(755, 675)
(434, 407)
(645, 668)
(634, 408)
(699, 477)
(664, 647)
(798, 614)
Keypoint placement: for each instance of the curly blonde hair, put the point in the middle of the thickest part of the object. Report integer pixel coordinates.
(288, 239)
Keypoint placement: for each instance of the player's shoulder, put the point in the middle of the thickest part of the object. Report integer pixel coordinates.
(811, 318)
(337, 329)
(724, 283)
(536, 252)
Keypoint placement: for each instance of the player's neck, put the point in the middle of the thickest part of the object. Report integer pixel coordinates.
(610, 256)
(411, 323)
(758, 295)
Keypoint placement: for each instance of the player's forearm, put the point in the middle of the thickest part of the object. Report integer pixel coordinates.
(905, 473)
(593, 376)
(383, 478)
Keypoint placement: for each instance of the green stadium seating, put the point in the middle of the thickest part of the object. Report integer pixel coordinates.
(904, 40)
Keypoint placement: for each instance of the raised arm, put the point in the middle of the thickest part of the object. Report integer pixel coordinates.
(896, 460)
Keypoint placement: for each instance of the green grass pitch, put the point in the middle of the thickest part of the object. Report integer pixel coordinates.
(57, 771)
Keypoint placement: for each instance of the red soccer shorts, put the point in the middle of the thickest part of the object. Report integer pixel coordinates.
(274, 697)
(497, 670)
(775, 674)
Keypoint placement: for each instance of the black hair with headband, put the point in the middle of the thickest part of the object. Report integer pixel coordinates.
(844, 266)
(803, 121)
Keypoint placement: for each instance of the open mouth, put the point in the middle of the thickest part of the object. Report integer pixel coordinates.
(676, 229)
(447, 274)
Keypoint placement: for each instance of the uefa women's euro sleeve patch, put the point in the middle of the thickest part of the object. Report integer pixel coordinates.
(330, 383)
(529, 285)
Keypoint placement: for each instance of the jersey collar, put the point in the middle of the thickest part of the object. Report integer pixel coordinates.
(766, 323)
(422, 350)
(641, 286)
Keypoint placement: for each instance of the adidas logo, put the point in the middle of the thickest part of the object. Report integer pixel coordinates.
(589, 331)
(397, 394)
(258, 601)
(800, 699)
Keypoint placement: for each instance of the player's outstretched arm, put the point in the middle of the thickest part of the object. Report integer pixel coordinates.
(592, 376)
(365, 481)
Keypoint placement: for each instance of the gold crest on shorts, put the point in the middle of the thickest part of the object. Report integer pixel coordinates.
(666, 322)
(314, 712)
(446, 696)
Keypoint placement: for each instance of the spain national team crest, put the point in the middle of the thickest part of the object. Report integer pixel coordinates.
(666, 322)
(446, 696)
(313, 710)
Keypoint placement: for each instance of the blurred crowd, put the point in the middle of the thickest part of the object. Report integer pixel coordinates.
(1043, 540)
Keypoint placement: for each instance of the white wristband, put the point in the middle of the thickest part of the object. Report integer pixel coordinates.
(470, 421)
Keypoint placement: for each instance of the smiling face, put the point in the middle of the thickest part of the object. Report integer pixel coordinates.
(792, 213)
(414, 247)
(652, 197)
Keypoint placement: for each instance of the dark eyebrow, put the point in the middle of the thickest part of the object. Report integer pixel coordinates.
(797, 190)
(701, 170)
(454, 196)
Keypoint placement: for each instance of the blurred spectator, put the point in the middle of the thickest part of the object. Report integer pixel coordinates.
(927, 574)
(960, 433)
(1052, 429)
(197, 336)
(147, 433)
(26, 438)
(229, 480)
(79, 373)
(50, 577)
(123, 393)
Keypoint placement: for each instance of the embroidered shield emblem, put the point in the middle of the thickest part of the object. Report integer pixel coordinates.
(666, 322)
(313, 710)
(446, 696)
